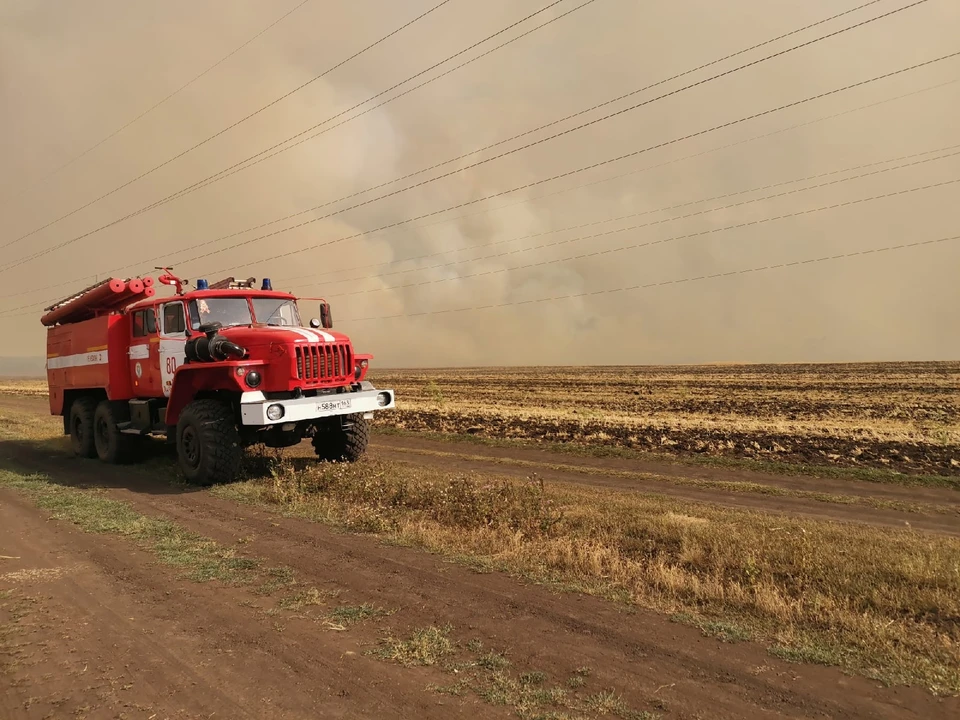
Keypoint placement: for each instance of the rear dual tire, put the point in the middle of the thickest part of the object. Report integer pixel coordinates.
(113, 446)
(82, 412)
(94, 432)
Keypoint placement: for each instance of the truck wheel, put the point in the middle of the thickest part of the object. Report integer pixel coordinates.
(342, 441)
(112, 445)
(208, 443)
(81, 427)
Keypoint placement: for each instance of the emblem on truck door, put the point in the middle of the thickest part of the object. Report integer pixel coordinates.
(139, 371)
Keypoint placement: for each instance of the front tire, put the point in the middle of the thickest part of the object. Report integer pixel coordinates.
(208, 443)
(342, 440)
(82, 411)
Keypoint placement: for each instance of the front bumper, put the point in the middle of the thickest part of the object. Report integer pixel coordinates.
(254, 406)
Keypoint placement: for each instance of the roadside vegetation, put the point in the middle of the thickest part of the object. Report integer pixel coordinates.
(880, 602)
(883, 603)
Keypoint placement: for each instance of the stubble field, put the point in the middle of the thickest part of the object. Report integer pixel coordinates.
(902, 417)
(718, 516)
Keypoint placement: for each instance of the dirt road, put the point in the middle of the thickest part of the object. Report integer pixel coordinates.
(97, 628)
(853, 501)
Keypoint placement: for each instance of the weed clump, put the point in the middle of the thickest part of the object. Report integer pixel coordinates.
(872, 600)
(380, 499)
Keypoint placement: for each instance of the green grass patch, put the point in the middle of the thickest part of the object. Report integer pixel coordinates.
(487, 675)
(195, 557)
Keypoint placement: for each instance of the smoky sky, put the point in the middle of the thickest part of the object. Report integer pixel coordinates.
(72, 73)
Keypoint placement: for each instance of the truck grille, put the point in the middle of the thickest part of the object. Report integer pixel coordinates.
(324, 362)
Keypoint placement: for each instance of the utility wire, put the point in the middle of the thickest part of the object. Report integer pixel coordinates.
(557, 122)
(262, 156)
(228, 128)
(569, 173)
(663, 241)
(663, 283)
(168, 97)
(601, 181)
(650, 212)
(179, 193)
(646, 168)
(529, 145)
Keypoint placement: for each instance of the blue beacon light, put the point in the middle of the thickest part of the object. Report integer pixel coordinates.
(203, 285)
(266, 284)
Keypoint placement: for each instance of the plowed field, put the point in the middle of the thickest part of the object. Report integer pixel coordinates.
(898, 416)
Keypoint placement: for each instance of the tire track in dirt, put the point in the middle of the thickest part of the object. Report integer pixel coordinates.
(638, 653)
(111, 634)
(601, 473)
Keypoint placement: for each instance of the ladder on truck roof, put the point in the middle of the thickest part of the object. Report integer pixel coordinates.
(111, 295)
(79, 294)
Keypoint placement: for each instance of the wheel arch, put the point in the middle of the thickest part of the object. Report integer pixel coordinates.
(212, 381)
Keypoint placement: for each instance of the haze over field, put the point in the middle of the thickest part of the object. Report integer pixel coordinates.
(70, 74)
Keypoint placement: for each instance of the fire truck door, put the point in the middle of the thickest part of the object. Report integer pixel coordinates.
(144, 370)
(173, 338)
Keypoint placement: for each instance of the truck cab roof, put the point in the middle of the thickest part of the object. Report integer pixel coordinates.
(208, 294)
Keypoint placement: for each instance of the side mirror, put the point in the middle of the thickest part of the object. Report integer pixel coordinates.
(326, 318)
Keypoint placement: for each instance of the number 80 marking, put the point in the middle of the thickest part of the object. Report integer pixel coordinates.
(171, 365)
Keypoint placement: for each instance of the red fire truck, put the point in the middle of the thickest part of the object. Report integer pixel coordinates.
(215, 369)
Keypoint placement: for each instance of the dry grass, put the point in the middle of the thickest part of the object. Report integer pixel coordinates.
(489, 676)
(883, 603)
(27, 387)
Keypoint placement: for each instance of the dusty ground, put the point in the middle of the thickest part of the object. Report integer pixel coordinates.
(94, 627)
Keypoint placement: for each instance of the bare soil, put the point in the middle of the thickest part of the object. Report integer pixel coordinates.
(96, 628)
(892, 416)
(110, 631)
(602, 472)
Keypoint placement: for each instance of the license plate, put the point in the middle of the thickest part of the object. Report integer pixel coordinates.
(334, 405)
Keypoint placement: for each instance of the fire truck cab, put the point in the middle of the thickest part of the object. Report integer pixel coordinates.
(214, 370)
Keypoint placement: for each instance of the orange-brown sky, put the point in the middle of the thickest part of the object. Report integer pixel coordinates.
(72, 73)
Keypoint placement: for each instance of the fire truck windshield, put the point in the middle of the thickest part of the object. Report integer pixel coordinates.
(274, 311)
(226, 311)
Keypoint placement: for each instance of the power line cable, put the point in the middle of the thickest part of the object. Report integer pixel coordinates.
(537, 142)
(153, 107)
(553, 122)
(262, 156)
(608, 251)
(229, 127)
(663, 283)
(539, 182)
(592, 183)
(754, 138)
(198, 185)
(635, 246)
(649, 212)
(569, 173)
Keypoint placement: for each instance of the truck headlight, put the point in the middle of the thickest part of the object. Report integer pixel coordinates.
(254, 379)
(360, 367)
(275, 412)
(383, 399)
